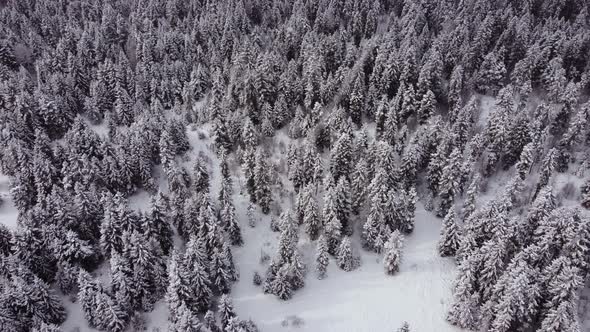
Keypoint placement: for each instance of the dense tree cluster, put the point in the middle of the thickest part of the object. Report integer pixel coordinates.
(381, 101)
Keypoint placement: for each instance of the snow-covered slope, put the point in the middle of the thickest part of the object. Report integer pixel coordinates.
(362, 300)
(8, 212)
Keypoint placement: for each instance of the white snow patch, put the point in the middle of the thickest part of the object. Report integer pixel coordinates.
(362, 300)
(8, 212)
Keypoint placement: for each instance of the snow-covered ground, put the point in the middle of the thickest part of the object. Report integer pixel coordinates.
(8, 212)
(362, 300)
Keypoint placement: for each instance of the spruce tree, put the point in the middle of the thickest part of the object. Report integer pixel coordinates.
(345, 256)
(332, 225)
(449, 235)
(262, 183)
(225, 310)
(404, 328)
(340, 157)
(281, 285)
(393, 253)
(311, 218)
(322, 258)
(343, 205)
(196, 274)
(178, 290)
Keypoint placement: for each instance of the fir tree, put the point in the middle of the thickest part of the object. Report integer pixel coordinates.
(322, 258)
(210, 322)
(311, 218)
(225, 310)
(404, 328)
(344, 255)
(332, 225)
(449, 237)
(393, 253)
(340, 157)
(256, 279)
(262, 183)
(178, 291)
(281, 285)
(196, 275)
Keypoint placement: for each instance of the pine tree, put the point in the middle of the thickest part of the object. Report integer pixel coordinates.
(585, 194)
(219, 273)
(344, 255)
(469, 203)
(252, 220)
(407, 211)
(111, 317)
(455, 87)
(343, 205)
(156, 225)
(249, 167)
(262, 183)
(281, 285)
(87, 295)
(427, 106)
(358, 186)
(311, 218)
(256, 279)
(332, 225)
(525, 163)
(322, 258)
(178, 291)
(340, 157)
(393, 253)
(449, 237)
(449, 185)
(185, 320)
(196, 275)
(210, 322)
(404, 328)
(200, 175)
(225, 310)
(233, 229)
(375, 229)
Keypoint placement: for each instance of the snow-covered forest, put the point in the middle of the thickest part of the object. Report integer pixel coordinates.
(281, 165)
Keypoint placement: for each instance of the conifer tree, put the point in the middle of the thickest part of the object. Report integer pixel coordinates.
(156, 225)
(332, 225)
(525, 163)
(262, 183)
(281, 285)
(340, 157)
(178, 290)
(251, 211)
(210, 322)
(358, 186)
(449, 237)
(343, 205)
(196, 274)
(393, 253)
(185, 320)
(311, 218)
(449, 186)
(427, 105)
(219, 273)
(200, 175)
(322, 258)
(585, 194)
(404, 328)
(225, 310)
(344, 255)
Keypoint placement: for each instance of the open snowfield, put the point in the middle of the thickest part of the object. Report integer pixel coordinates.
(362, 300)
(8, 212)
